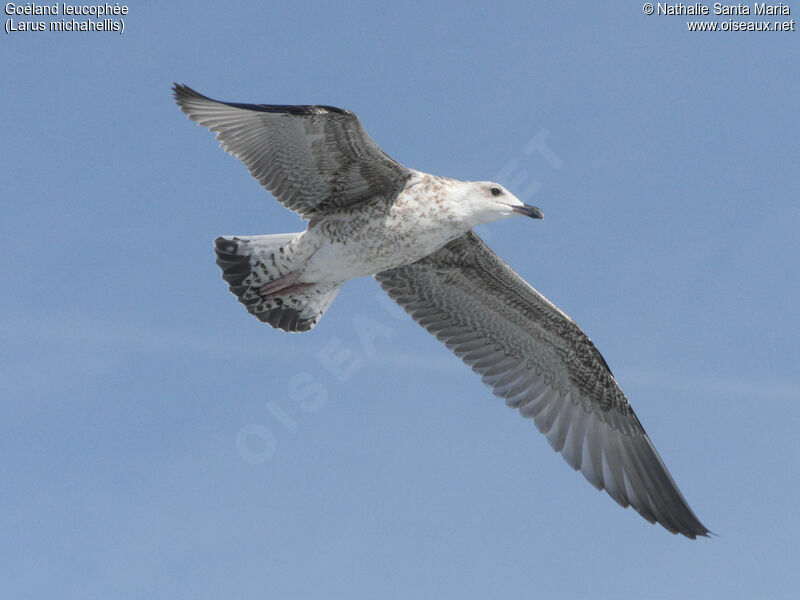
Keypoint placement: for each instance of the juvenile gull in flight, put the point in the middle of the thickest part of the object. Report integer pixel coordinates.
(369, 215)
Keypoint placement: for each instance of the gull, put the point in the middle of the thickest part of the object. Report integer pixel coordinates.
(369, 215)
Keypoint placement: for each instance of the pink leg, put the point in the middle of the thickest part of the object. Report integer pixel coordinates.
(283, 286)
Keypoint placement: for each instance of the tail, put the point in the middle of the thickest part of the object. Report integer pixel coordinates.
(259, 272)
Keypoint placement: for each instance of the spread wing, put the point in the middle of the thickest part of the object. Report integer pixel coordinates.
(311, 158)
(537, 359)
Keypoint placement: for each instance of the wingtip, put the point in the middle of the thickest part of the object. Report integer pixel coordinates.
(693, 535)
(182, 94)
(179, 89)
(704, 532)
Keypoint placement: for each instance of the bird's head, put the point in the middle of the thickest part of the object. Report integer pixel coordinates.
(486, 201)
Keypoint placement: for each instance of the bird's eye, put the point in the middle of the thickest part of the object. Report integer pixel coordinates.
(496, 191)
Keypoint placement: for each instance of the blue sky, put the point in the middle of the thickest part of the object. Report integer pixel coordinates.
(159, 442)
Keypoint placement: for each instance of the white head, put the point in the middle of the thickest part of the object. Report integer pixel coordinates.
(481, 202)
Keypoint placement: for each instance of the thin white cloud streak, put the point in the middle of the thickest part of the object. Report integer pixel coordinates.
(709, 386)
(97, 334)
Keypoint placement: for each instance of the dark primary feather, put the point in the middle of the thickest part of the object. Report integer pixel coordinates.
(313, 159)
(540, 362)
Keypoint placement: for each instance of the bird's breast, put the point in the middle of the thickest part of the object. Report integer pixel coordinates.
(366, 243)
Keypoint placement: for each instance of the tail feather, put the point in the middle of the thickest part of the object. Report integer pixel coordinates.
(249, 263)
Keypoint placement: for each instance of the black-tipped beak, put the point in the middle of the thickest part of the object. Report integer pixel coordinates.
(529, 211)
